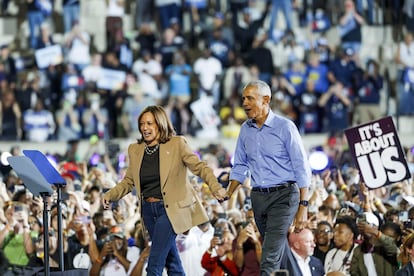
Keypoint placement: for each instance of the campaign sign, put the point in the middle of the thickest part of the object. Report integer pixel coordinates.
(111, 79)
(377, 153)
(51, 55)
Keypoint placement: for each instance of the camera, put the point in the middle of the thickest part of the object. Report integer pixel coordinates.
(408, 224)
(218, 232)
(403, 216)
(361, 219)
(108, 238)
(85, 219)
(244, 224)
(18, 208)
(247, 204)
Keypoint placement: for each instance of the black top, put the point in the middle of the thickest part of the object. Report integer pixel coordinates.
(150, 175)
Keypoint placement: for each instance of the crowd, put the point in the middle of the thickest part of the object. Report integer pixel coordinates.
(323, 88)
(195, 52)
(350, 229)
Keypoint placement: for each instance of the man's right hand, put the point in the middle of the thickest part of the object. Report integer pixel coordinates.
(233, 185)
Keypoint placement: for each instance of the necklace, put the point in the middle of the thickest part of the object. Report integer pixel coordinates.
(149, 150)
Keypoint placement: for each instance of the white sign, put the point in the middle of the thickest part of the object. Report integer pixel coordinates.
(111, 79)
(209, 120)
(51, 55)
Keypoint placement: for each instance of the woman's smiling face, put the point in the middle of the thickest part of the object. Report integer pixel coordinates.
(149, 129)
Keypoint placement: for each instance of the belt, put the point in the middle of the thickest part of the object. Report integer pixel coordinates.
(152, 199)
(275, 188)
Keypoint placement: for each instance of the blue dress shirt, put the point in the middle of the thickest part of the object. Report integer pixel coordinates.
(271, 155)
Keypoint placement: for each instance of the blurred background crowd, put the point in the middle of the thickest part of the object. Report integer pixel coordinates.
(73, 71)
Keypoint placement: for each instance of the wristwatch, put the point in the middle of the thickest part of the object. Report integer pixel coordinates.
(304, 203)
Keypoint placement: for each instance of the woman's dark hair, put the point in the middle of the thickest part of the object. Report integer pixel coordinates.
(164, 124)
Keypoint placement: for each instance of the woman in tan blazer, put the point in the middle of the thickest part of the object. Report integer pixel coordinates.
(158, 166)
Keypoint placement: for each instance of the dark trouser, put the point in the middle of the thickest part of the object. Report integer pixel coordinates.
(274, 213)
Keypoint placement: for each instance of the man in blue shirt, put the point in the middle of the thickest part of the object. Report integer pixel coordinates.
(270, 150)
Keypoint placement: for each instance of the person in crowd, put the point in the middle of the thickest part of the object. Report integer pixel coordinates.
(146, 38)
(234, 78)
(248, 249)
(167, 199)
(308, 109)
(144, 10)
(149, 72)
(15, 238)
(95, 118)
(220, 46)
(405, 80)
(246, 30)
(286, 7)
(350, 27)
(339, 258)
(77, 44)
(171, 42)
(71, 13)
(44, 38)
(219, 22)
(179, 76)
(218, 259)
(113, 258)
(261, 56)
(167, 9)
(35, 17)
(208, 70)
(323, 240)
(338, 100)
(302, 247)
(277, 199)
(317, 72)
(38, 123)
(132, 106)
(369, 94)
(192, 245)
(81, 250)
(9, 64)
(115, 11)
(92, 73)
(408, 247)
(67, 121)
(10, 117)
(377, 254)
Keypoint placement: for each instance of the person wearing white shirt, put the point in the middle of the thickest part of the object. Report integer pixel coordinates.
(208, 70)
(345, 234)
(302, 245)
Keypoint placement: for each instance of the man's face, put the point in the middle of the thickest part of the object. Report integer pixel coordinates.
(323, 235)
(306, 244)
(254, 104)
(342, 235)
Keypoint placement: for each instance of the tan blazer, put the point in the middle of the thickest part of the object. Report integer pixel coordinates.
(182, 204)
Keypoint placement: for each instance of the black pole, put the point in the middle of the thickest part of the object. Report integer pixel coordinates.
(45, 234)
(60, 232)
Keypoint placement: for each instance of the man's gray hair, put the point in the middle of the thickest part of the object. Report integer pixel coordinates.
(262, 87)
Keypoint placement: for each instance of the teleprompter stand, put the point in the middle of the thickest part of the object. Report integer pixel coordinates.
(53, 177)
(37, 184)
